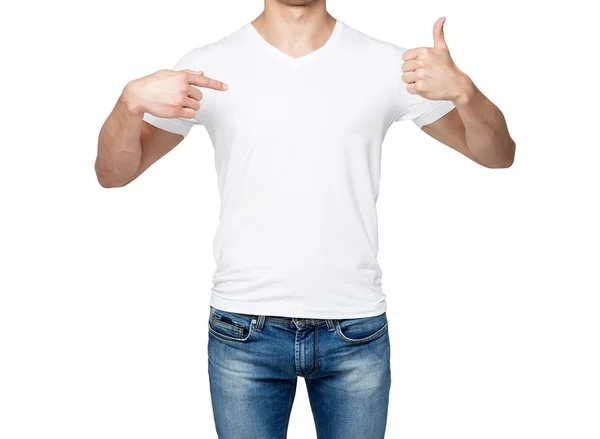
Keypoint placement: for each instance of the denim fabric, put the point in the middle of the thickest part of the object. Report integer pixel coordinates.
(254, 362)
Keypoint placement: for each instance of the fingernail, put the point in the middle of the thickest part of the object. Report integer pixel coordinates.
(224, 86)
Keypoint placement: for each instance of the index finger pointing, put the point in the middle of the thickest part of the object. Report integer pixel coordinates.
(205, 81)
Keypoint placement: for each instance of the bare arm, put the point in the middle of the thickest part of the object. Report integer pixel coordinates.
(127, 145)
(121, 157)
(477, 129)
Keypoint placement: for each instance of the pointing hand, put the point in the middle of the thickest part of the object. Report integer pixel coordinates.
(170, 93)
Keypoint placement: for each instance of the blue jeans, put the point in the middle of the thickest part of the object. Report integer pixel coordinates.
(254, 362)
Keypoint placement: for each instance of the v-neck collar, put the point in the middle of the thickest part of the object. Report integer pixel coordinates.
(291, 61)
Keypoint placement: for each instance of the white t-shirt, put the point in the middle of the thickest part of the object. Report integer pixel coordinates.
(297, 151)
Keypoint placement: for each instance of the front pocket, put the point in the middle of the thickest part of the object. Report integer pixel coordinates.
(361, 330)
(227, 327)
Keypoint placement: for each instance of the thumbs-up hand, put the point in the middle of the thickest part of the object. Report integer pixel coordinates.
(430, 71)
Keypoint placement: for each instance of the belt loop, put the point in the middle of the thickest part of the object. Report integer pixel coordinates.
(330, 325)
(260, 323)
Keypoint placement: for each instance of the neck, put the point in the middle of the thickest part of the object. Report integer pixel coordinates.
(294, 29)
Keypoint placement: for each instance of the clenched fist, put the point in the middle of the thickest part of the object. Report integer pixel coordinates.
(169, 93)
(430, 71)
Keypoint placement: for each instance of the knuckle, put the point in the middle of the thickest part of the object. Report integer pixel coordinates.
(424, 52)
(184, 76)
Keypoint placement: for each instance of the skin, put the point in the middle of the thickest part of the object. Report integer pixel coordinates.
(476, 127)
(127, 145)
(296, 28)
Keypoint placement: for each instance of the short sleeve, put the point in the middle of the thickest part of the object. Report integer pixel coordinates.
(179, 125)
(414, 107)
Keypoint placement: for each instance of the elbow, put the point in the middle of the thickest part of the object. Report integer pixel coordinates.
(510, 156)
(506, 160)
(107, 184)
(105, 177)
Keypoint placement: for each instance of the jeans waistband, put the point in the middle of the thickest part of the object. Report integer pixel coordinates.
(293, 322)
(290, 322)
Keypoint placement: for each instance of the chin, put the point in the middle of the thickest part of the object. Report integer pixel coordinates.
(297, 2)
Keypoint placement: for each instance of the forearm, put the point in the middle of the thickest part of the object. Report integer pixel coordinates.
(486, 131)
(119, 147)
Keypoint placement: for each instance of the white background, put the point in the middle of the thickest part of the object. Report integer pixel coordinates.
(491, 275)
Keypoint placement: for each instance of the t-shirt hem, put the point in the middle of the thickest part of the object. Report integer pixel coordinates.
(167, 125)
(434, 114)
(287, 310)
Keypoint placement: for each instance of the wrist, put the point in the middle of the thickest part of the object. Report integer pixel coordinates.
(130, 101)
(466, 90)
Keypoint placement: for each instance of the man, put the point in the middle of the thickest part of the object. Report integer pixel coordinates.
(297, 104)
